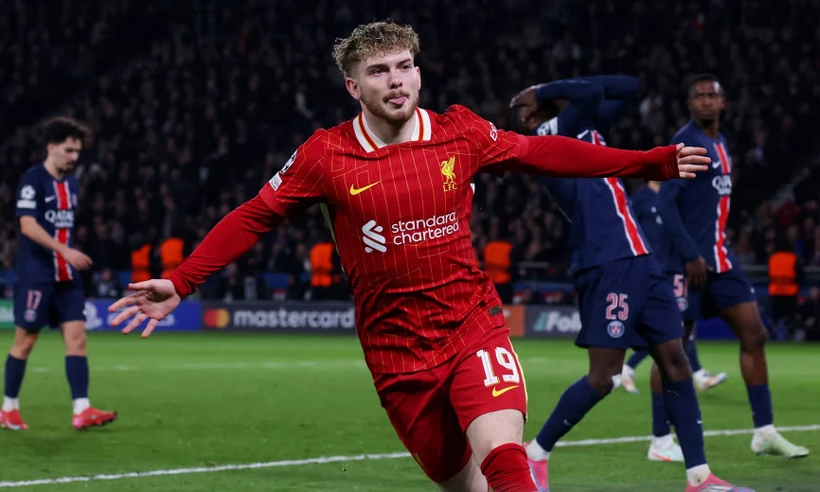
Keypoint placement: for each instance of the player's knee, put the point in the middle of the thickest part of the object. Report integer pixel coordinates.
(495, 429)
(676, 365)
(23, 343)
(75, 344)
(602, 381)
(672, 361)
(754, 339)
(22, 349)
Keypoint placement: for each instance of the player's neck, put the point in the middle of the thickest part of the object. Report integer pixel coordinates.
(390, 133)
(53, 170)
(654, 185)
(710, 128)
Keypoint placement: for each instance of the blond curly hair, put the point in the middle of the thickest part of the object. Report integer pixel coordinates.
(373, 39)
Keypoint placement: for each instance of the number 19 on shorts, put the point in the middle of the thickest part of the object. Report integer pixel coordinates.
(505, 360)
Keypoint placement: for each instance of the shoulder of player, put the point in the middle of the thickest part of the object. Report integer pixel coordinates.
(686, 135)
(35, 171)
(464, 121)
(457, 114)
(34, 176)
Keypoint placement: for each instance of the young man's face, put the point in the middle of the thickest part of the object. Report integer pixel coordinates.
(387, 86)
(65, 153)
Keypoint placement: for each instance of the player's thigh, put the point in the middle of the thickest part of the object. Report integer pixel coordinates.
(489, 393)
(69, 303)
(610, 298)
(734, 299)
(32, 305)
(419, 409)
(660, 319)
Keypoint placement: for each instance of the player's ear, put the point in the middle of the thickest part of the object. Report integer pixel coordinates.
(353, 88)
(418, 74)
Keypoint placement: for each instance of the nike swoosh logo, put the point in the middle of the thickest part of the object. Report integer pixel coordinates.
(50, 198)
(497, 392)
(355, 191)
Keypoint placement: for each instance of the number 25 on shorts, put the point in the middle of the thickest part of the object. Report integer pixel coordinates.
(505, 360)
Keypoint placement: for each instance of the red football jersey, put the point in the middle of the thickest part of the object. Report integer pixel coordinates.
(400, 215)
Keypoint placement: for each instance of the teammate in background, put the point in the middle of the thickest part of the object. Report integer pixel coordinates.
(395, 183)
(48, 289)
(643, 204)
(624, 299)
(694, 217)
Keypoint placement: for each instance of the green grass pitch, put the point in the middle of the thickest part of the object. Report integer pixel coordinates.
(199, 400)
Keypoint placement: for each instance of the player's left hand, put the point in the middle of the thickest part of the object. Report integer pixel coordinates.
(692, 160)
(153, 300)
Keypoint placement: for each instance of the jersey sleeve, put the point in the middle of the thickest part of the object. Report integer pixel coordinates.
(27, 197)
(299, 184)
(494, 146)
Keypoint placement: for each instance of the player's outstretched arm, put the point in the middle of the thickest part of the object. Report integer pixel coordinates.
(232, 237)
(504, 151)
(287, 193)
(567, 157)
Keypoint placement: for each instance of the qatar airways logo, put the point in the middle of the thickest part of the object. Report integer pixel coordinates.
(62, 219)
(723, 184)
(408, 232)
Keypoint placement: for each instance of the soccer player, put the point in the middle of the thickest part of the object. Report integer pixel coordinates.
(48, 289)
(694, 217)
(395, 185)
(643, 204)
(624, 298)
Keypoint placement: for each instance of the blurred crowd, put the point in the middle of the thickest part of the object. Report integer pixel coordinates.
(196, 104)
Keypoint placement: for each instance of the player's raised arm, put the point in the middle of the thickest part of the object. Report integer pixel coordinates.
(617, 89)
(294, 188)
(582, 98)
(503, 151)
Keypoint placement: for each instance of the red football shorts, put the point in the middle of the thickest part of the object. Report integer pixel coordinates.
(431, 409)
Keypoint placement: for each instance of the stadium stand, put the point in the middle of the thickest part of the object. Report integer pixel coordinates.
(196, 104)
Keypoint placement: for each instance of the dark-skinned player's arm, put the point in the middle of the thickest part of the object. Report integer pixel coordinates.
(668, 204)
(617, 89)
(288, 193)
(581, 97)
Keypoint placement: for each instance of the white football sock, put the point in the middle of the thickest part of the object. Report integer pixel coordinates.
(80, 405)
(765, 431)
(663, 442)
(535, 452)
(698, 474)
(628, 372)
(701, 374)
(10, 404)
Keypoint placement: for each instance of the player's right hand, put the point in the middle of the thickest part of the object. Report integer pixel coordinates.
(77, 259)
(153, 300)
(697, 271)
(691, 160)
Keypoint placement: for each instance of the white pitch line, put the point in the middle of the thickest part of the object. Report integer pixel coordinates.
(273, 364)
(360, 457)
